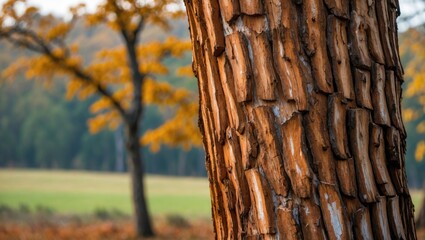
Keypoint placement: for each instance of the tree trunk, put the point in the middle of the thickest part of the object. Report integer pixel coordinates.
(143, 223)
(300, 116)
(132, 120)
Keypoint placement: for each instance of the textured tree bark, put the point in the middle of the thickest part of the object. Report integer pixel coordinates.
(300, 116)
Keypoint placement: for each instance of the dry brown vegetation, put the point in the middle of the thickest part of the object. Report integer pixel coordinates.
(44, 224)
(166, 228)
(421, 233)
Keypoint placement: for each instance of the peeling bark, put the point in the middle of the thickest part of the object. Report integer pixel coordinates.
(262, 202)
(318, 138)
(379, 217)
(315, 16)
(359, 139)
(237, 52)
(270, 158)
(380, 109)
(338, 47)
(393, 101)
(379, 163)
(337, 126)
(362, 88)
(264, 74)
(311, 220)
(334, 216)
(346, 173)
(359, 50)
(214, 26)
(362, 224)
(251, 7)
(383, 23)
(395, 219)
(393, 147)
(287, 225)
(230, 9)
(301, 118)
(295, 161)
(338, 7)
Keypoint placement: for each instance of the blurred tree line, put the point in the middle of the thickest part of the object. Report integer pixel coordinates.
(39, 128)
(412, 49)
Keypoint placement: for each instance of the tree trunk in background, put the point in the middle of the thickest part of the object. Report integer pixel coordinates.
(143, 226)
(300, 113)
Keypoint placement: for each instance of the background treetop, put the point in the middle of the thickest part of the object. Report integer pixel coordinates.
(108, 72)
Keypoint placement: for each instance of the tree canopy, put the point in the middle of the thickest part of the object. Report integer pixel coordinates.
(124, 77)
(107, 73)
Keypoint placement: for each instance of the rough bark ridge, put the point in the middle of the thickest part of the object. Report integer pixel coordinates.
(300, 113)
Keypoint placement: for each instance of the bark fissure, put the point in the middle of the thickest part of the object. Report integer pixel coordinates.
(300, 111)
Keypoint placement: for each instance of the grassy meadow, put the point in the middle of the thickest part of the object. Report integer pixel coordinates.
(86, 192)
(180, 206)
(83, 193)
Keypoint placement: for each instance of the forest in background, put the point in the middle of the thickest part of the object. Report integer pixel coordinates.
(40, 128)
(412, 51)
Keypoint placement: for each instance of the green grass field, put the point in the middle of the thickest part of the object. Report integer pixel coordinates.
(417, 197)
(85, 192)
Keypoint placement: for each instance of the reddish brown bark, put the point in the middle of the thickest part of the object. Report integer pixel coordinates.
(300, 113)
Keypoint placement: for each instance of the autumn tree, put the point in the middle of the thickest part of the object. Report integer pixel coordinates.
(301, 118)
(123, 77)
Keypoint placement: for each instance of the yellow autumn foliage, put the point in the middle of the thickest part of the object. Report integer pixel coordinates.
(103, 104)
(420, 151)
(109, 119)
(410, 114)
(58, 31)
(182, 127)
(40, 67)
(185, 71)
(420, 128)
(14, 69)
(162, 93)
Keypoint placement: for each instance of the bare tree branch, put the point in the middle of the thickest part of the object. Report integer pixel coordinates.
(139, 27)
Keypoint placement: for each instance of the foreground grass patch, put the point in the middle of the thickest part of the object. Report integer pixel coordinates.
(417, 197)
(85, 192)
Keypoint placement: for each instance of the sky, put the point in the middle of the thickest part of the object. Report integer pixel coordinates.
(60, 7)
